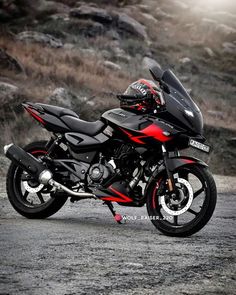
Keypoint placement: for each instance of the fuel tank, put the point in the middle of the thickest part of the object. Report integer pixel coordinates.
(141, 129)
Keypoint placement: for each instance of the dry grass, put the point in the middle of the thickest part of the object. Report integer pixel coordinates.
(45, 69)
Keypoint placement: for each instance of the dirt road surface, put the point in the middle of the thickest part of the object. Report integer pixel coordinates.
(81, 250)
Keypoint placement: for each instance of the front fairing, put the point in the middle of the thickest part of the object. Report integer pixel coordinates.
(180, 107)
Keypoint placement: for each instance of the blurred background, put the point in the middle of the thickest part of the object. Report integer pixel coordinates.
(79, 54)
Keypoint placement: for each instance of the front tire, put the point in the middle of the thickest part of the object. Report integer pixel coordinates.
(37, 205)
(188, 213)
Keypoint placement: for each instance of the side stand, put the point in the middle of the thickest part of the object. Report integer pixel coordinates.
(118, 217)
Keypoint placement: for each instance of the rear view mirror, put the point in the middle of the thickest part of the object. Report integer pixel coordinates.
(156, 73)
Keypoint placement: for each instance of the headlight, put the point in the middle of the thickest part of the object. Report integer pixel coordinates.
(189, 113)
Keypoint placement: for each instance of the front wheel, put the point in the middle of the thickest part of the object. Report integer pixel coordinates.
(187, 211)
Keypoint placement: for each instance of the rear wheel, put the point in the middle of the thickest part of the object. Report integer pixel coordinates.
(189, 210)
(27, 196)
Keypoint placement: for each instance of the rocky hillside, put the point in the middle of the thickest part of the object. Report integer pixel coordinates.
(79, 54)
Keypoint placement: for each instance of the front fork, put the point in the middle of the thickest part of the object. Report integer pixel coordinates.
(170, 177)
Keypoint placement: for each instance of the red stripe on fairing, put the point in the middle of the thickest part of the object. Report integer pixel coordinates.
(156, 132)
(134, 138)
(32, 113)
(123, 199)
(113, 199)
(151, 131)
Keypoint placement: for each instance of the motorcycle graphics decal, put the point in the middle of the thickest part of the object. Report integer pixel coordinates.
(156, 132)
(33, 114)
(151, 131)
(123, 198)
(134, 138)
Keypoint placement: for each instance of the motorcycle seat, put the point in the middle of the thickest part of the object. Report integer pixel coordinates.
(57, 111)
(81, 126)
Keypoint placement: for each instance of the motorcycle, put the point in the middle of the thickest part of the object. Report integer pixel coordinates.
(130, 156)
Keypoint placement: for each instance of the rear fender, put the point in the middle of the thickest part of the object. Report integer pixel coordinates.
(173, 164)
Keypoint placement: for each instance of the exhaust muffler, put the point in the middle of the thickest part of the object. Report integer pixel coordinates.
(28, 163)
(36, 169)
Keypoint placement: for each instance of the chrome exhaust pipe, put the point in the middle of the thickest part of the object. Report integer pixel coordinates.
(36, 169)
(60, 186)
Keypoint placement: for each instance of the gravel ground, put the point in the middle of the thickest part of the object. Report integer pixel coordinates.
(81, 250)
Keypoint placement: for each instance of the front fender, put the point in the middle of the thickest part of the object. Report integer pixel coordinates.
(173, 164)
(176, 162)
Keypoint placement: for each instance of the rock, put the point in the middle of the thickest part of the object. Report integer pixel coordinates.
(208, 23)
(113, 34)
(209, 52)
(116, 52)
(162, 14)
(62, 97)
(9, 62)
(176, 6)
(111, 65)
(148, 62)
(4, 165)
(69, 46)
(37, 37)
(184, 60)
(105, 54)
(4, 16)
(8, 93)
(144, 7)
(190, 91)
(128, 24)
(180, 5)
(150, 17)
(229, 47)
(42, 8)
(9, 10)
(94, 13)
(225, 30)
(123, 57)
(66, 98)
(232, 141)
(216, 114)
(184, 79)
(10, 98)
(49, 7)
(187, 65)
(60, 16)
(34, 9)
(225, 17)
(88, 51)
(91, 103)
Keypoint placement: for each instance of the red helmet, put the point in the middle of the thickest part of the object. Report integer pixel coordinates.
(143, 86)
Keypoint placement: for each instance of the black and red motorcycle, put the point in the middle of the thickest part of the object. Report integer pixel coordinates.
(130, 156)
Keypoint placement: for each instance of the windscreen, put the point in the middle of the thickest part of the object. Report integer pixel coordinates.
(172, 81)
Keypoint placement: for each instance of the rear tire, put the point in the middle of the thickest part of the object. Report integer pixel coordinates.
(15, 194)
(155, 209)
